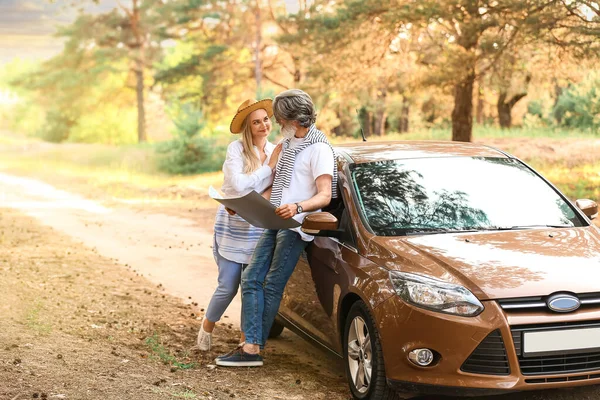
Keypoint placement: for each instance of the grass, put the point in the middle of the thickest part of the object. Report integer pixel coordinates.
(183, 394)
(34, 321)
(161, 353)
(124, 172)
(579, 182)
(131, 172)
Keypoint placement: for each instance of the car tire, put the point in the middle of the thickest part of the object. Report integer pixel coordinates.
(359, 322)
(276, 330)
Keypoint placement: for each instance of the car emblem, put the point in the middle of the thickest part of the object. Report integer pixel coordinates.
(563, 303)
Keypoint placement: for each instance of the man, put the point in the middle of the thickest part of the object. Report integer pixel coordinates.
(305, 181)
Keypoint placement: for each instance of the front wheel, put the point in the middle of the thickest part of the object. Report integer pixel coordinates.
(276, 330)
(363, 356)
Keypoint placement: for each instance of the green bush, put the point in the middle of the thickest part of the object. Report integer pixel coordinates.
(107, 124)
(579, 106)
(188, 152)
(57, 126)
(536, 108)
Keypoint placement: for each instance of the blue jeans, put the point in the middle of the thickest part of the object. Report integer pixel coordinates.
(264, 280)
(230, 274)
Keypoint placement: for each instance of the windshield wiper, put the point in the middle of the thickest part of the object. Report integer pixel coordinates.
(470, 229)
(433, 231)
(517, 227)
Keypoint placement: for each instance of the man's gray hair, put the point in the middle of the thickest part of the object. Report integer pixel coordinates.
(295, 105)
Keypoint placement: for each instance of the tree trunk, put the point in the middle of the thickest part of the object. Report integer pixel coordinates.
(139, 89)
(365, 118)
(257, 63)
(380, 112)
(369, 124)
(404, 112)
(297, 72)
(479, 109)
(428, 109)
(504, 115)
(139, 62)
(558, 91)
(462, 114)
(379, 122)
(505, 108)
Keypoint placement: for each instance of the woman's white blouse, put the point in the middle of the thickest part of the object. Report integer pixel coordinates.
(236, 182)
(236, 238)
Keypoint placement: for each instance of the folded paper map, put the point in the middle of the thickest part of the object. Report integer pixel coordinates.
(255, 209)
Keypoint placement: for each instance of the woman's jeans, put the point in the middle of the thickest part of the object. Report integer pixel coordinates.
(264, 280)
(230, 274)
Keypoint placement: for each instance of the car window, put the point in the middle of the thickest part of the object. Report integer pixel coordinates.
(456, 193)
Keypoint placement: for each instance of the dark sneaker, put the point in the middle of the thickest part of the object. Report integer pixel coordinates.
(238, 358)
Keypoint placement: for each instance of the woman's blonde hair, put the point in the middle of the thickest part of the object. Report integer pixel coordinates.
(251, 160)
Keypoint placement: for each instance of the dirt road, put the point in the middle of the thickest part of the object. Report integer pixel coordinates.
(89, 308)
(94, 309)
(169, 250)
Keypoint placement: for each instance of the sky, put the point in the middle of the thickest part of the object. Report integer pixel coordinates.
(27, 26)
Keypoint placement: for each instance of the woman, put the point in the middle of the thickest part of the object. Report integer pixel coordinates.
(249, 165)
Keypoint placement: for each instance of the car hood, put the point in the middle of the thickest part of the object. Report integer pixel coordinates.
(497, 265)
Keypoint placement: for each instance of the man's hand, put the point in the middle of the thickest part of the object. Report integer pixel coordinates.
(230, 211)
(286, 211)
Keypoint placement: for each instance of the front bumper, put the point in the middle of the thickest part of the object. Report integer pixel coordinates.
(437, 390)
(403, 328)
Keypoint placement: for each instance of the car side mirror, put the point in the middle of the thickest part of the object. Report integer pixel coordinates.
(589, 207)
(320, 223)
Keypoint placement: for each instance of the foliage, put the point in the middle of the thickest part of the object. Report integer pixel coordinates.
(439, 43)
(188, 152)
(535, 108)
(579, 106)
(160, 352)
(57, 127)
(404, 64)
(109, 124)
(21, 113)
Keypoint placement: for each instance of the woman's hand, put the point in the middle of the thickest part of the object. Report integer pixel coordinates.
(275, 156)
(286, 211)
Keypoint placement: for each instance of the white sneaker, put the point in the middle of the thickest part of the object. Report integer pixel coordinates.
(204, 338)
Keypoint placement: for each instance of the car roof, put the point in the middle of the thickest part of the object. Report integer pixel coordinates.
(363, 152)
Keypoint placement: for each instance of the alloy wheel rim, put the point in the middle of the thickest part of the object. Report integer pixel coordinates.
(360, 354)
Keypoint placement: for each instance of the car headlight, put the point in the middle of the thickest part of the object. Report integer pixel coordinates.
(435, 295)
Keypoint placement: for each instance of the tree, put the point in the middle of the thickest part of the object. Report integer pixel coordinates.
(128, 36)
(361, 68)
(511, 76)
(221, 49)
(456, 40)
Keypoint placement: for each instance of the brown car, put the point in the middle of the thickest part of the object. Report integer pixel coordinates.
(449, 268)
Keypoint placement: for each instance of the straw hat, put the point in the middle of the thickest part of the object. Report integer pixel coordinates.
(245, 109)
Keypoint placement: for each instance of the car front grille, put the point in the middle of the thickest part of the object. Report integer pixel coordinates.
(563, 379)
(489, 358)
(559, 363)
(537, 303)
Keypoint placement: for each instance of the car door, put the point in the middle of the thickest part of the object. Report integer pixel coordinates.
(307, 300)
(310, 300)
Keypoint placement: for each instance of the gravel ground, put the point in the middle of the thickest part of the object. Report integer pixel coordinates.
(77, 325)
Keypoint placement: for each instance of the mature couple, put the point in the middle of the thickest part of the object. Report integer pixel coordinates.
(298, 176)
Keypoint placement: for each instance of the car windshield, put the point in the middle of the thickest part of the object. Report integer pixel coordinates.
(434, 195)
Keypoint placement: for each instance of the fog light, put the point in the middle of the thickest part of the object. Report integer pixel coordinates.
(421, 357)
